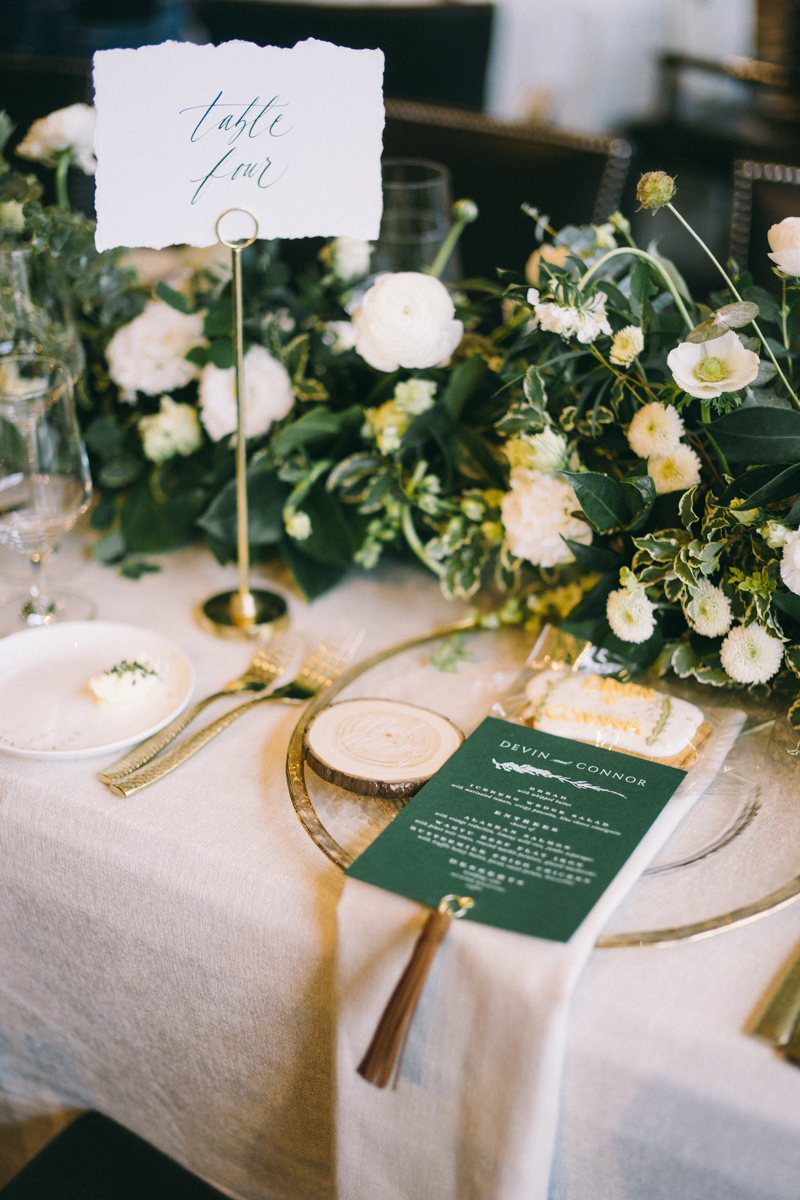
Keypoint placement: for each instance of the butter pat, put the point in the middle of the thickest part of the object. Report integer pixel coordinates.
(626, 716)
(125, 681)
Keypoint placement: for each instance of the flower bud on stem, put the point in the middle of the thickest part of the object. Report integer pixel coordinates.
(464, 212)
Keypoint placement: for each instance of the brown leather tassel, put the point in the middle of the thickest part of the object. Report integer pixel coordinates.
(384, 1058)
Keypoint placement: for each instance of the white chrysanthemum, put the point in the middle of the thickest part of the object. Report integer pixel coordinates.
(70, 128)
(267, 395)
(537, 516)
(350, 258)
(775, 534)
(627, 343)
(298, 525)
(149, 354)
(784, 240)
(340, 336)
(709, 610)
(750, 655)
(674, 472)
(631, 615)
(173, 430)
(406, 320)
(415, 396)
(545, 451)
(655, 429)
(790, 562)
(707, 369)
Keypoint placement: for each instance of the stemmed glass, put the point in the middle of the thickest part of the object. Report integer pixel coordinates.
(416, 216)
(35, 311)
(44, 483)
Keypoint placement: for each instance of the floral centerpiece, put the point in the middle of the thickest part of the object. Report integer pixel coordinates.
(580, 441)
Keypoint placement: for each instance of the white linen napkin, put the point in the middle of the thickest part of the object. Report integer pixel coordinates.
(475, 1111)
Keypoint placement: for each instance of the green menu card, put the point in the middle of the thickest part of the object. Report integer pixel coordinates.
(534, 827)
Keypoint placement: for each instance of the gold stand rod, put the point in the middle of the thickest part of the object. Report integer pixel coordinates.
(242, 614)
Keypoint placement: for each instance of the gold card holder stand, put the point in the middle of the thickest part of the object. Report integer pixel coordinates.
(244, 614)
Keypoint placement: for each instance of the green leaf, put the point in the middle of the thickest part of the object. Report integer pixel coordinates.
(104, 511)
(142, 521)
(134, 568)
(105, 437)
(474, 459)
(174, 299)
(639, 654)
(594, 558)
(198, 355)
(266, 496)
(759, 435)
(787, 603)
(220, 353)
(331, 541)
(219, 319)
(111, 548)
(466, 379)
(787, 483)
(769, 308)
(640, 494)
(748, 483)
(315, 426)
(688, 514)
(593, 604)
(314, 578)
(601, 499)
(119, 472)
(792, 655)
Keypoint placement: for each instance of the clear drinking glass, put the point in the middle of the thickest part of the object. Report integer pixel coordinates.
(35, 311)
(417, 199)
(44, 483)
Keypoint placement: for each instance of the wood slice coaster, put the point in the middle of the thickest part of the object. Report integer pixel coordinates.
(379, 747)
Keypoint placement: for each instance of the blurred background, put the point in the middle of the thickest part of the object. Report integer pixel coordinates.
(560, 103)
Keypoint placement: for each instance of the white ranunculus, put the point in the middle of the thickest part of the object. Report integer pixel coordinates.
(406, 320)
(674, 472)
(149, 354)
(545, 451)
(750, 655)
(627, 343)
(173, 430)
(631, 615)
(70, 128)
(707, 369)
(350, 258)
(790, 562)
(537, 516)
(709, 610)
(784, 240)
(655, 429)
(267, 395)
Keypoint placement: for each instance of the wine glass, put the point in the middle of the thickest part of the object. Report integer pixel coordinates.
(35, 311)
(45, 483)
(416, 216)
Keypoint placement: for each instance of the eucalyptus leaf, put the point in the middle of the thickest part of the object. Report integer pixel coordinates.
(766, 371)
(742, 312)
(706, 331)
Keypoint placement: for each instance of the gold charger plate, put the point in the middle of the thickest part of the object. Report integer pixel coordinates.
(735, 849)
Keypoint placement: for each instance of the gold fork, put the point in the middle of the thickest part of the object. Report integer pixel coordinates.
(324, 665)
(265, 668)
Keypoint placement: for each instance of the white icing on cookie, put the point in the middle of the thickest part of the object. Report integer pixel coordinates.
(592, 708)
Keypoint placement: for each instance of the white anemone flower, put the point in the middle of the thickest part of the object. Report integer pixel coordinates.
(631, 615)
(709, 610)
(407, 320)
(656, 430)
(750, 655)
(784, 240)
(790, 562)
(674, 472)
(627, 343)
(707, 369)
(268, 395)
(537, 516)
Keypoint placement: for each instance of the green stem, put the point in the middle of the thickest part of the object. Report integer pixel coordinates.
(783, 318)
(705, 416)
(653, 262)
(416, 545)
(64, 160)
(446, 249)
(730, 284)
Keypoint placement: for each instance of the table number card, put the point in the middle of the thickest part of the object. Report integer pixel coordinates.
(532, 826)
(185, 132)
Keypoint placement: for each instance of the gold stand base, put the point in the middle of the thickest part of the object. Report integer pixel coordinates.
(220, 616)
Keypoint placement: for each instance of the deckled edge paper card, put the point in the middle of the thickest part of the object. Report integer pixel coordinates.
(185, 132)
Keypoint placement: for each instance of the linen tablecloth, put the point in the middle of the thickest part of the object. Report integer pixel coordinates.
(168, 959)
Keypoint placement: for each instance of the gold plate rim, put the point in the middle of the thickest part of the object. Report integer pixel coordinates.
(307, 815)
